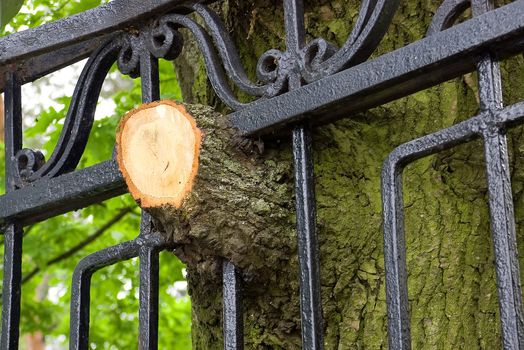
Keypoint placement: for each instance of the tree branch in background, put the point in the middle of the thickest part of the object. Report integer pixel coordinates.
(123, 212)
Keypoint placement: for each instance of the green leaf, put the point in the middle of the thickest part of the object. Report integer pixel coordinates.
(9, 9)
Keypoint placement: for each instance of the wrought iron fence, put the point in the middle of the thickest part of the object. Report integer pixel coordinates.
(308, 84)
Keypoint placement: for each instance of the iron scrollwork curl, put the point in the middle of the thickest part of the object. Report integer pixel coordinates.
(31, 165)
(373, 21)
(314, 61)
(447, 13)
(129, 56)
(167, 27)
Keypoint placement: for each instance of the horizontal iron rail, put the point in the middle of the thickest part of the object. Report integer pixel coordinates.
(104, 19)
(425, 63)
(50, 197)
(49, 47)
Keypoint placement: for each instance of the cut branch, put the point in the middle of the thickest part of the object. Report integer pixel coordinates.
(158, 146)
(239, 207)
(210, 191)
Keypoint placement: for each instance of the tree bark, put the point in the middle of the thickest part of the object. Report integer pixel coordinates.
(239, 208)
(452, 291)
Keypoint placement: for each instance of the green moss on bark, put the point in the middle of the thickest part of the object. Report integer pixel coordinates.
(452, 293)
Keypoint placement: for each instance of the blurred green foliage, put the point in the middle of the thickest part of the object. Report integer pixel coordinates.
(114, 290)
(8, 9)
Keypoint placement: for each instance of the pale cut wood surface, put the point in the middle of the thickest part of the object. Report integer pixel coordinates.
(158, 148)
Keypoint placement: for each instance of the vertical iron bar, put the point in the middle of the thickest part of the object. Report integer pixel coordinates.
(12, 127)
(233, 313)
(149, 256)
(294, 23)
(12, 289)
(395, 257)
(500, 199)
(504, 239)
(148, 312)
(310, 300)
(479, 7)
(295, 37)
(13, 231)
(501, 210)
(150, 77)
(80, 308)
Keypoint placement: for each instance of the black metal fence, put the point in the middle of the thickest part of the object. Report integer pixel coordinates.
(299, 91)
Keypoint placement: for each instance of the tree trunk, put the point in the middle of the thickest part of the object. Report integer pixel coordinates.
(452, 291)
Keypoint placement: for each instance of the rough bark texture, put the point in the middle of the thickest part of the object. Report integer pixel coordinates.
(450, 260)
(240, 208)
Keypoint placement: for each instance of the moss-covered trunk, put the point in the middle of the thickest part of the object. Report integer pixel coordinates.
(452, 287)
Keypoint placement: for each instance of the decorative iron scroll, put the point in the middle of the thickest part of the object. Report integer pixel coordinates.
(161, 38)
(447, 14)
(275, 68)
(77, 125)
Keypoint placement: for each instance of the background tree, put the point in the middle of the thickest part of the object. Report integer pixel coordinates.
(452, 290)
